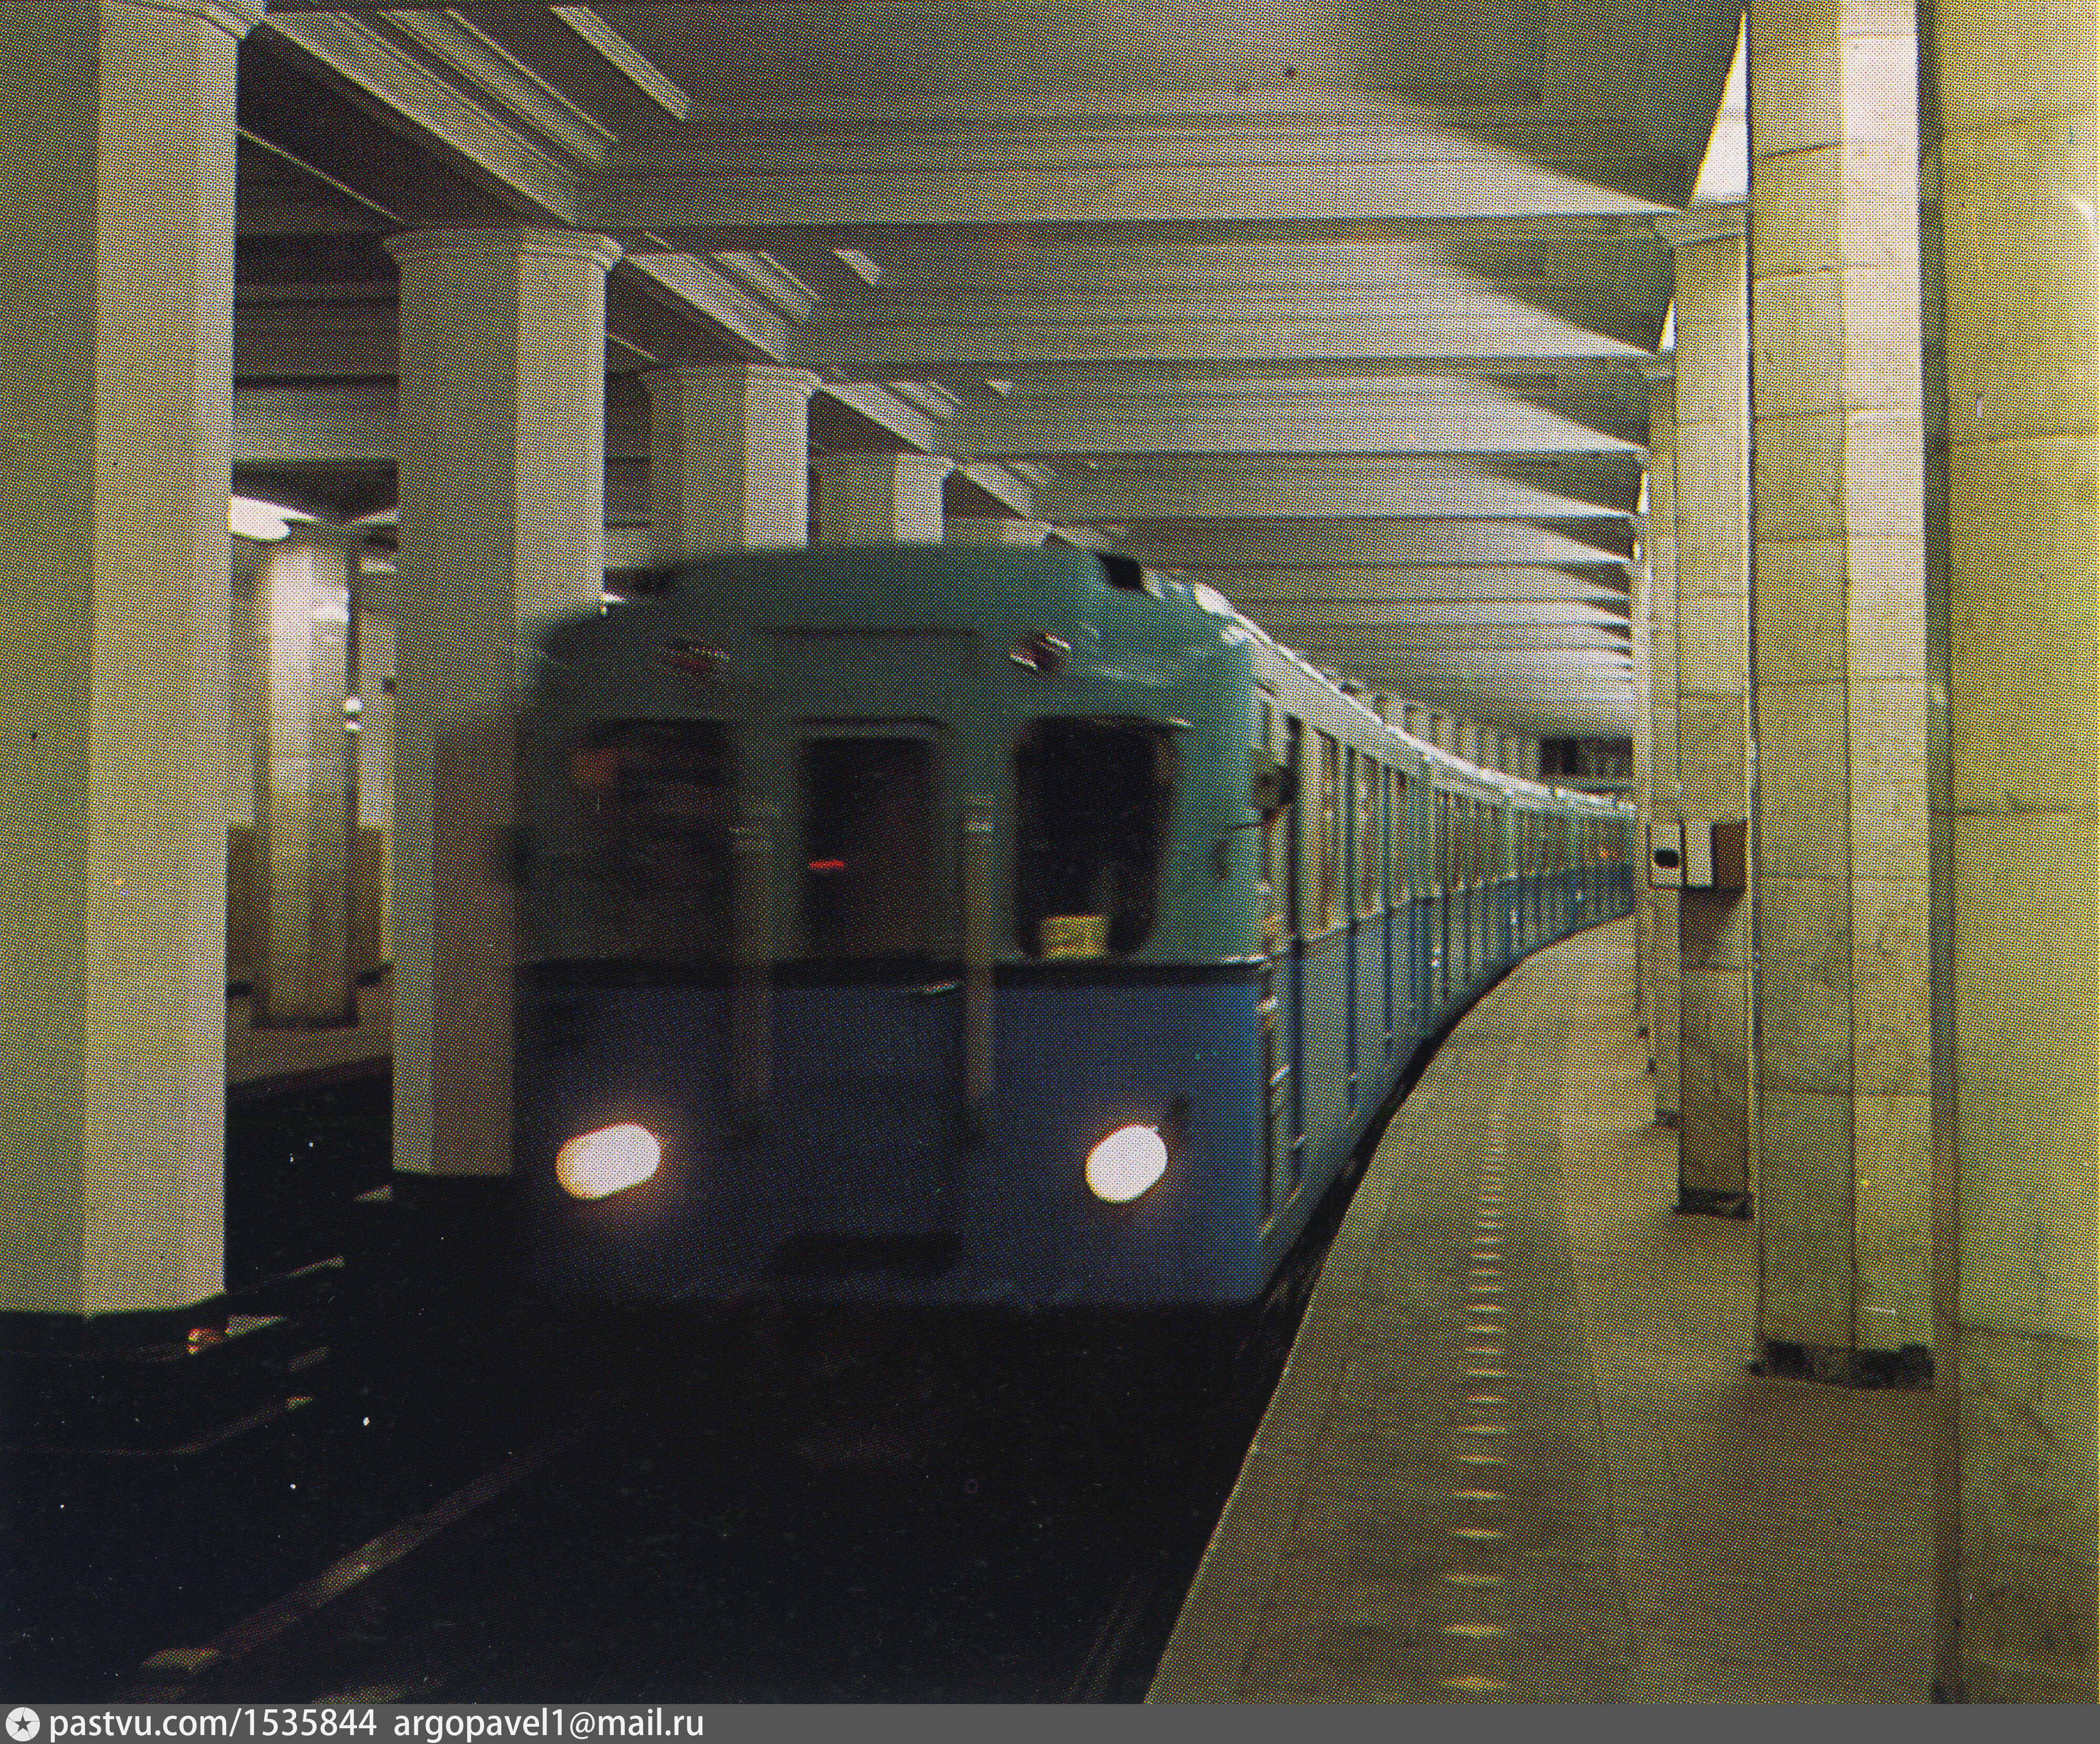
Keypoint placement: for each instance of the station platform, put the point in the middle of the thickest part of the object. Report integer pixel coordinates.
(1519, 1453)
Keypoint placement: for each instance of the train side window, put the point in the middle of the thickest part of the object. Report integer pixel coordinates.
(1330, 832)
(868, 847)
(1092, 801)
(659, 798)
(1368, 854)
(1275, 843)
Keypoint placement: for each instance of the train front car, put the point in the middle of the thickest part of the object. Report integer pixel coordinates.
(890, 932)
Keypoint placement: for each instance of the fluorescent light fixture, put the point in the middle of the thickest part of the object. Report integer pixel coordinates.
(867, 271)
(265, 523)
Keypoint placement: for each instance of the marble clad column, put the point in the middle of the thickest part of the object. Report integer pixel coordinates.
(1640, 575)
(305, 792)
(1447, 732)
(373, 601)
(1663, 796)
(1712, 488)
(502, 465)
(117, 174)
(994, 529)
(2009, 115)
(1415, 719)
(1843, 1021)
(880, 499)
(728, 459)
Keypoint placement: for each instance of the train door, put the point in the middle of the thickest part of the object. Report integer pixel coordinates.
(1389, 844)
(1465, 853)
(1294, 752)
(872, 1079)
(1352, 944)
(1484, 903)
(1281, 982)
(1412, 792)
(1505, 886)
(1439, 951)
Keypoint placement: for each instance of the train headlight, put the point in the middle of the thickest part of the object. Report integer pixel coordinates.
(594, 1165)
(1126, 1164)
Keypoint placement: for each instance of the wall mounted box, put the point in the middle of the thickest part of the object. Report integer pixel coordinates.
(1665, 856)
(1714, 856)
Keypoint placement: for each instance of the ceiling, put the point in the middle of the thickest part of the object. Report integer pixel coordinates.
(1338, 306)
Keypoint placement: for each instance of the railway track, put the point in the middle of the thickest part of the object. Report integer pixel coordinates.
(982, 1521)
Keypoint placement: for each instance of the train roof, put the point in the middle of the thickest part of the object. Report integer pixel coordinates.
(1007, 589)
(999, 585)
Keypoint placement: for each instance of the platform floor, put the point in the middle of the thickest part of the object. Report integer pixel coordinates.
(1518, 1455)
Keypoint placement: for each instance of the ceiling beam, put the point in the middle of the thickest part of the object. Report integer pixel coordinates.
(1320, 171)
(1376, 486)
(1395, 415)
(1344, 543)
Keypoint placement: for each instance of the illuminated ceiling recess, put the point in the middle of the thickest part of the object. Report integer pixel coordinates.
(1339, 310)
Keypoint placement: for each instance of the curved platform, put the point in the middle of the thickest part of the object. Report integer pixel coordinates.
(1518, 1453)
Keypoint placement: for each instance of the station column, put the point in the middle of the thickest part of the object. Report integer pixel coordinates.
(502, 450)
(1661, 789)
(2009, 121)
(1711, 435)
(117, 185)
(728, 459)
(305, 799)
(866, 499)
(1844, 1043)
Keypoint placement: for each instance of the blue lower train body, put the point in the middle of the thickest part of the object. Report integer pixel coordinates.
(859, 1178)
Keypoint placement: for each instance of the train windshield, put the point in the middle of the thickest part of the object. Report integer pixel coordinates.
(660, 797)
(1092, 801)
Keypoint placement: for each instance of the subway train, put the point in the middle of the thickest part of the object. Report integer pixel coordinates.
(981, 925)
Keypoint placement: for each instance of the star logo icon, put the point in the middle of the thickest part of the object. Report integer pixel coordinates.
(22, 1725)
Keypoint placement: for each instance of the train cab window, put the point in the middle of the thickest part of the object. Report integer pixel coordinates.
(1093, 801)
(1368, 838)
(1330, 884)
(868, 844)
(659, 798)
